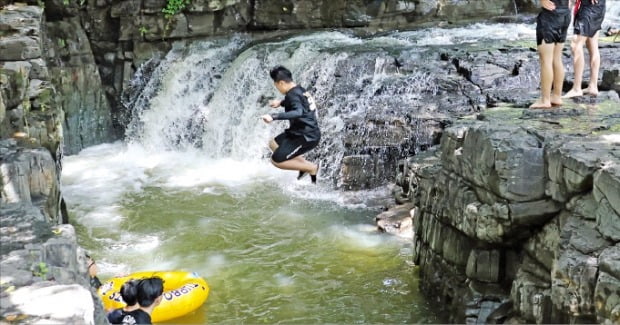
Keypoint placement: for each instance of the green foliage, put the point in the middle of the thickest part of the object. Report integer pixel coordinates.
(40, 270)
(68, 2)
(143, 30)
(173, 7)
(61, 43)
(41, 4)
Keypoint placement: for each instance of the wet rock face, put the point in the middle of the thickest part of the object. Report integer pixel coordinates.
(51, 92)
(71, 64)
(381, 13)
(29, 110)
(522, 209)
(417, 95)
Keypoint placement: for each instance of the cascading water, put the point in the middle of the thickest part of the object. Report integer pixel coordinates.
(365, 98)
(612, 15)
(169, 113)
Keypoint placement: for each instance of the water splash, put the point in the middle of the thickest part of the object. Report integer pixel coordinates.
(612, 14)
(168, 114)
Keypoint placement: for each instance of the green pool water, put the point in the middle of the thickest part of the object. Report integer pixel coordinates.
(268, 256)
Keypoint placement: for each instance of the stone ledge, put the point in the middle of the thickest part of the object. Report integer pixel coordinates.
(560, 265)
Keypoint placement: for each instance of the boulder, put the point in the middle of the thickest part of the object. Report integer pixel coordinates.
(397, 220)
(30, 177)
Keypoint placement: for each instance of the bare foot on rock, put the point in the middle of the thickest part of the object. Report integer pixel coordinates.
(556, 100)
(573, 93)
(591, 91)
(540, 105)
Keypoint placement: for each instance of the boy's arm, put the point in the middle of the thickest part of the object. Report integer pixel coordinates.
(296, 112)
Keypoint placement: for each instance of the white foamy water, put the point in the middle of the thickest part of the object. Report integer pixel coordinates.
(468, 34)
(612, 14)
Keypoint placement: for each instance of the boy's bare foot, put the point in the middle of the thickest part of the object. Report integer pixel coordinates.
(539, 104)
(573, 93)
(556, 100)
(591, 91)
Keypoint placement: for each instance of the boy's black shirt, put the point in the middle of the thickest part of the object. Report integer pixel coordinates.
(302, 115)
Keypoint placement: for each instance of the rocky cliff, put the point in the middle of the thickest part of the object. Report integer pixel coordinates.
(51, 93)
(516, 215)
(40, 260)
(49, 89)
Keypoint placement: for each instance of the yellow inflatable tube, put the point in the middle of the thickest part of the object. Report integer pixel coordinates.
(183, 293)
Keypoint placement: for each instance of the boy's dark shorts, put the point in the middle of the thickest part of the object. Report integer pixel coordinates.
(291, 146)
(552, 26)
(589, 18)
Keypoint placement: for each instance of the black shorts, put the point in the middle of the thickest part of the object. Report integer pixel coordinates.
(291, 146)
(589, 18)
(552, 26)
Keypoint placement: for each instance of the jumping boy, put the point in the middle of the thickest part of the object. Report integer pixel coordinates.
(303, 133)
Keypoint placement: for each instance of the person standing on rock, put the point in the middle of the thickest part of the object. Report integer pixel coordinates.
(303, 133)
(589, 15)
(551, 27)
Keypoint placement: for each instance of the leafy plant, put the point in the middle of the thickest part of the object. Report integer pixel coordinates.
(143, 30)
(40, 270)
(173, 7)
(61, 43)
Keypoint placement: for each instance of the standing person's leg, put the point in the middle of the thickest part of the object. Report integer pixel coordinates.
(595, 64)
(576, 47)
(558, 74)
(545, 53)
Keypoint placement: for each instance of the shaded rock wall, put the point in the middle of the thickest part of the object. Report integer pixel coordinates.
(40, 261)
(73, 71)
(29, 105)
(516, 219)
(51, 90)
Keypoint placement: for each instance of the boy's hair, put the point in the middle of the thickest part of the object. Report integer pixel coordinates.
(280, 73)
(129, 292)
(149, 290)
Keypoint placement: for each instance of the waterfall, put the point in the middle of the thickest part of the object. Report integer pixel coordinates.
(612, 14)
(169, 112)
(374, 95)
